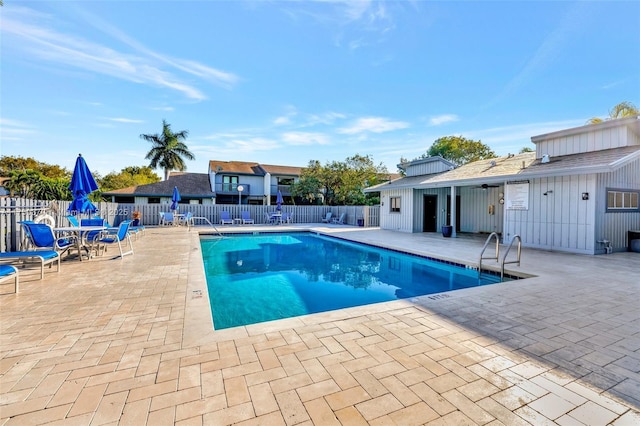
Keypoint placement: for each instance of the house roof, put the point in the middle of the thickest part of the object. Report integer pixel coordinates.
(282, 170)
(520, 166)
(632, 122)
(252, 168)
(193, 185)
(237, 167)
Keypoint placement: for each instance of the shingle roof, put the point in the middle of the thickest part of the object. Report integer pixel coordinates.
(587, 162)
(520, 166)
(239, 167)
(189, 184)
(282, 170)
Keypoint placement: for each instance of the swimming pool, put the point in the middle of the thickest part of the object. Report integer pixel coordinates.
(253, 278)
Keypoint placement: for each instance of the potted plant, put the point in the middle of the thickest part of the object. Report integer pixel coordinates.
(135, 215)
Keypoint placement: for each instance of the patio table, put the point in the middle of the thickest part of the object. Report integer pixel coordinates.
(80, 233)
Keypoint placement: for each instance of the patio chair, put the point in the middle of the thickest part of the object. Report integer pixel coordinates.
(94, 221)
(225, 218)
(40, 236)
(246, 218)
(186, 220)
(168, 219)
(339, 220)
(73, 221)
(327, 218)
(114, 236)
(287, 217)
(8, 273)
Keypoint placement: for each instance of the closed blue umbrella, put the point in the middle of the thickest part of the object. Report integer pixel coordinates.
(175, 198)
(82, 184)
(279, 201)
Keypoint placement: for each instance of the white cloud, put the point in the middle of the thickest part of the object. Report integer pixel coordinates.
(373, 125)
(443, 119)
(41, 42)
(304, 138)
(14, 130)
(124, 120)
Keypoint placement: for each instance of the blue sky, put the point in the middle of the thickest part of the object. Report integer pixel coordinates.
(288, 82)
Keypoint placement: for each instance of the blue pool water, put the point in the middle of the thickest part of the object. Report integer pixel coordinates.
(264, 277)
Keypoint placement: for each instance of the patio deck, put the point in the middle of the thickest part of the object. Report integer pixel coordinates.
(129, 341)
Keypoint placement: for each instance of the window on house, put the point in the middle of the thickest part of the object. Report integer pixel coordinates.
(229, 183)
(622, 200)
(394, 204)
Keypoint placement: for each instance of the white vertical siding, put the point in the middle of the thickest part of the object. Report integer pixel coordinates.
(427, 168)
(397, 221)
(614, 226)
(560, 220)
(474, 209)
(595, 140)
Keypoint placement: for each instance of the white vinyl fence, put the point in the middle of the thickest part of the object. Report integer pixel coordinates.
(14, 210)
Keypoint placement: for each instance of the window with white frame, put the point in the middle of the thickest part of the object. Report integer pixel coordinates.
(394, 204)
(623, 200)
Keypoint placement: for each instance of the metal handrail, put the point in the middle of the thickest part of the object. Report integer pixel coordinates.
(192, 220)
(515, 237)
(486, 243)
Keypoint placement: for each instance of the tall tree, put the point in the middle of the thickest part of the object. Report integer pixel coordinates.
(621, 110)
(129, 176)
(340, 182)
(460, 150)
(10, 163)
(168, 150)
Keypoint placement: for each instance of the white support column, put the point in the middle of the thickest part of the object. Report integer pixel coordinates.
(453, 212)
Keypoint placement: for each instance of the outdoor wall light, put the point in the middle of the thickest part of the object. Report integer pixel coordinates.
(585, 196)
(548, 192)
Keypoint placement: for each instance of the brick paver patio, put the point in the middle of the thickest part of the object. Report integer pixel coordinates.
(130, 342)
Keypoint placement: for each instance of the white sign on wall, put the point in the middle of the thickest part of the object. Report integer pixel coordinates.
(517, 195)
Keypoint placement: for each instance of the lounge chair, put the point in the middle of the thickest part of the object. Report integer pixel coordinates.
(327, 218)
(246, 218)
(340, 220)
(43, 257)
(7, 273)
(114, 236)
(225, 218)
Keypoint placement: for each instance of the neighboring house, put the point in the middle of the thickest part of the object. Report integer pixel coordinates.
(194, 189)
(579, 192)
(259, 183)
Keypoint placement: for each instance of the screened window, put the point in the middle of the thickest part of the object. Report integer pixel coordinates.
(622, 200)
(394, 204)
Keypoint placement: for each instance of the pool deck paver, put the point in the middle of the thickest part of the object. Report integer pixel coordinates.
(129, 341)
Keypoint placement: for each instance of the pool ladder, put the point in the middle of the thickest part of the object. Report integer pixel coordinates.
(497, 254)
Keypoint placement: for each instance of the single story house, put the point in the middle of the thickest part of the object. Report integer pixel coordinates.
(226, 182)
(579, 192)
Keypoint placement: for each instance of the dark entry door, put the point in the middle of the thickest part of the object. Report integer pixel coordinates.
(457, 211)
(429, 222)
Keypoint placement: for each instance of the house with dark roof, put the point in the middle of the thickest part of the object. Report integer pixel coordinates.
(226, 182)
(578, 192)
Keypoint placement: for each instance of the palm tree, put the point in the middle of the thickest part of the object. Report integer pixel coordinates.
(623, 109)
(168, 150)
